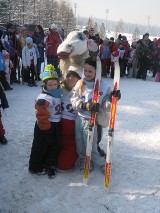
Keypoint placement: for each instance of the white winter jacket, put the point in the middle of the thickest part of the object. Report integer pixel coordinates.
(26, 56)
(86, 96)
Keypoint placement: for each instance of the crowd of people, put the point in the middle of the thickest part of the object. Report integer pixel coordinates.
(26, 54)
(134, 59)
(63, 106)
(17, 51)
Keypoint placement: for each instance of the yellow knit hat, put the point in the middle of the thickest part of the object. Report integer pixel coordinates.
(49, 73)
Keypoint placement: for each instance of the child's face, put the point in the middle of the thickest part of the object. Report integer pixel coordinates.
(37, 29)
(91, 32)
(52, 84)
(6, 56)
(25, 32)
(89, 72)
(71, 81)
(30, 45)
(121, 46)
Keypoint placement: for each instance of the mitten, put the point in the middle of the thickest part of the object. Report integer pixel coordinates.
(90, 106)
(115, 93)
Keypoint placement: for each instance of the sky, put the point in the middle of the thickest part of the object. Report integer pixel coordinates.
(137, 11)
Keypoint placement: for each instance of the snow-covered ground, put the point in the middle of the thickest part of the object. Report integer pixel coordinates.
(135, 178)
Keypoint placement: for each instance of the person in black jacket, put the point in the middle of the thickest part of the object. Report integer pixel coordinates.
(4, 105)
(144, 53)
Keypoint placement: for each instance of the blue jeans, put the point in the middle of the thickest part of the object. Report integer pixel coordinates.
(81, 125)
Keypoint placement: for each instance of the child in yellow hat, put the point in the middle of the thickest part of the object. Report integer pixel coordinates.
(45, 145)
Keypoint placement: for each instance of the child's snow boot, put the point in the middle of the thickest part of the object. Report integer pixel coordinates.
(34, 84)
(51, 172)
(30, 84)
(3, 140)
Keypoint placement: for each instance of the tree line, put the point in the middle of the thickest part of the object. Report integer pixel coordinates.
(61, 12)
(43, 12)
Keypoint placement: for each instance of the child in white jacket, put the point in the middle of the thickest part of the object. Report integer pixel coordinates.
(29, 60)
(82, 102)
(8, 65)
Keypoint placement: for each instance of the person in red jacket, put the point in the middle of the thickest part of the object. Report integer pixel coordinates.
(53, 40)
(67, 156)
(114, 54)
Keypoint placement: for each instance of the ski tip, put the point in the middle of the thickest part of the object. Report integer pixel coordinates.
(85, 181)
(106, 186)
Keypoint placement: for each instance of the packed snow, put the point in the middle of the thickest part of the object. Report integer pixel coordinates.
(135, 176)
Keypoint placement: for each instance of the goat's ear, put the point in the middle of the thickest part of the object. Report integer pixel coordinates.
(92, 45)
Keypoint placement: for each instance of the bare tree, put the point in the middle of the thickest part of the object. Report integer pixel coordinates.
(3, 9)
(96, 30)
(66, 17)
(136, 34)
(119, 27)
(102, 31)
(90, 22)
(44, 12)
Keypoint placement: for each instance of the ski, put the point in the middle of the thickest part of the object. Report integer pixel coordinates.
(95, 99)
(111, 127)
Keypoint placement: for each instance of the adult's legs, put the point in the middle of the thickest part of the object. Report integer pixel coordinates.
(4, 81)
(67, 154)
(14, 73)
(104, 67)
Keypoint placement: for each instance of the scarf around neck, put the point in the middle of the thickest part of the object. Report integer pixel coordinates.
(55, 93)
(89, 84)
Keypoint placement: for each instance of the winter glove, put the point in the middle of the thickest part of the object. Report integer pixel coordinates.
(90, 106)
(115, 93)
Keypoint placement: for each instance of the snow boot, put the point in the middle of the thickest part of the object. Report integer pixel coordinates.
(51, 172)
(101, 152)
(30, 84)
(3, 140)
(34, 84)
(37, 171)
